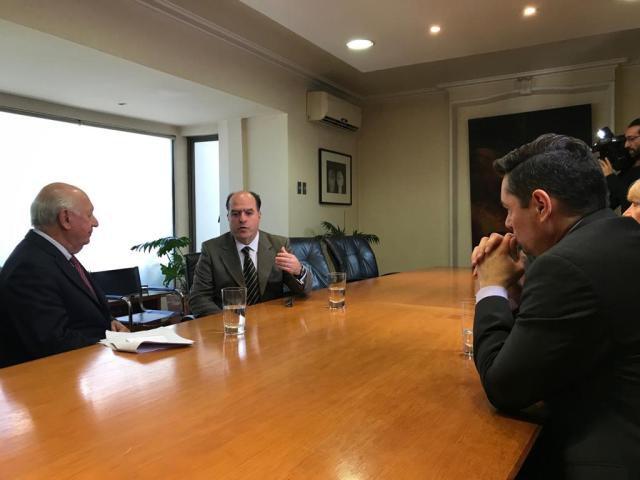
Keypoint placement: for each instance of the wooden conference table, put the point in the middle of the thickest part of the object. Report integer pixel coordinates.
(377, 391)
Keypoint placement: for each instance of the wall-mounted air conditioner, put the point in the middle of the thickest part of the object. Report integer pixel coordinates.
(326, 108)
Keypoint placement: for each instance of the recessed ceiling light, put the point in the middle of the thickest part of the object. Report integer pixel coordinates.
(359, 44)
(529, 11)
(434, 29)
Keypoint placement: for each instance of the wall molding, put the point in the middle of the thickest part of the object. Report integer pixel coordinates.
(535, 73)
(180, 14)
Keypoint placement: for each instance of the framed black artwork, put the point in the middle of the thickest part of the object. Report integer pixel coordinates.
(335, 177)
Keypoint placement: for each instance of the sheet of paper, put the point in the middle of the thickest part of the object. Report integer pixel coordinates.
(144, 341)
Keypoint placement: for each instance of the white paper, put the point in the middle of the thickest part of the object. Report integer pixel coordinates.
(144, 341)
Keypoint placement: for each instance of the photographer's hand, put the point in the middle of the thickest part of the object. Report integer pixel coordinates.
(606, 166)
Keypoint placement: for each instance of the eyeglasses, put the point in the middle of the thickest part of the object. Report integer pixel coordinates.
(631, 138)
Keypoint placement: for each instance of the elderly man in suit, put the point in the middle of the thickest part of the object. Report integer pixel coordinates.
(245, 256)
(48, 303)
(574, 341)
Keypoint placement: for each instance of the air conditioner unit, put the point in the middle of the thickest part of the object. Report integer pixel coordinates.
(331, 110)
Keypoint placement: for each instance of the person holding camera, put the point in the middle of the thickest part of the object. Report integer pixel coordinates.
(619, 183)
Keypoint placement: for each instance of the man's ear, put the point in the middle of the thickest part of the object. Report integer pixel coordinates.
(541, 201)
(63, 219)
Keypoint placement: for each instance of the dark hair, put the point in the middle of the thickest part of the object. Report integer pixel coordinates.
(634, 123)
(254, 194)
(560, 165)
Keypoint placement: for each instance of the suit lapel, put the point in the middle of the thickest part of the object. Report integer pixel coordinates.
(67, 269)
(266, 258)
(231, 260)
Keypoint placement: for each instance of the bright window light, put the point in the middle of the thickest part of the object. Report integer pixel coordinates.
(128, 177)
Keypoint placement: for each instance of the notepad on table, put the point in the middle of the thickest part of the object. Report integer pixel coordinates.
(144, 341)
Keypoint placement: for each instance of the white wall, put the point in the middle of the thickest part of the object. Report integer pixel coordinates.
(404, 186)
(266, 168)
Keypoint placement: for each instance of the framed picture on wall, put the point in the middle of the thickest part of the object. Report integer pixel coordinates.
(335, 177)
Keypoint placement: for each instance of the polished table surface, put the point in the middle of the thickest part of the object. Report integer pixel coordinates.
(379, 390)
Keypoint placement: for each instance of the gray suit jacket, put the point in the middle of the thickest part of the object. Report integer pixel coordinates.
(219, 267)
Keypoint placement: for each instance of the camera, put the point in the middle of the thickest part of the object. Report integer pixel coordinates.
(611, 146)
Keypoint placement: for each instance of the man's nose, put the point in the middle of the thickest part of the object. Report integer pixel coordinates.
(627, 212)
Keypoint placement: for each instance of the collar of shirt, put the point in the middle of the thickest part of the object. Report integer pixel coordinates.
(63, 250)
(253, 253)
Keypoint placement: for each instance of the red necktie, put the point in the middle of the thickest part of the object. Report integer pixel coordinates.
(74, 261)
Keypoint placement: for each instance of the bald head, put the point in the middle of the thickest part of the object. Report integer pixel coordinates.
(50, 200)
(65, 213)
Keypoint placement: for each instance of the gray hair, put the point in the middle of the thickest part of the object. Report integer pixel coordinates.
(49, 202)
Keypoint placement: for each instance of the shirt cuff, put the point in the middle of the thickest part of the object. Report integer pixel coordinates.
(303, 273)
(491, 291)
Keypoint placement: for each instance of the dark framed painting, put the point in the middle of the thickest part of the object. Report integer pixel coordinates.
(335, 177)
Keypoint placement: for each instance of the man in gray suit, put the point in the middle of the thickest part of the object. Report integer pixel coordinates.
(230, 260)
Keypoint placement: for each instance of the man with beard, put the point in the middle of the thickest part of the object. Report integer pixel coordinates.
(619, 183)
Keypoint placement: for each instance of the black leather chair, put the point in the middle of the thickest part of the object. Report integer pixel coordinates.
(124, 284)
(354, 256)
(191, 260)
(309, 251)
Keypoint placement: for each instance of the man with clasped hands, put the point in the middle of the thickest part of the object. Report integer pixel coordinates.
(574, 342)
(224, 260)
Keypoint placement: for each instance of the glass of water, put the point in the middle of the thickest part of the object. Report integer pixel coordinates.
(337, 289)
(468, 311)
(234, 304)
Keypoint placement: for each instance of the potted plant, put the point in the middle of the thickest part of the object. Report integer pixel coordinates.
(175, 269)
(332, 230)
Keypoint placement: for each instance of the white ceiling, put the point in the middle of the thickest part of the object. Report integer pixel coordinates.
(310, 36)
(85, 78)
(469, 27)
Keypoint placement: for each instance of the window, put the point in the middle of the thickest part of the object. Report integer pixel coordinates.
(204, 172)
(128, 177)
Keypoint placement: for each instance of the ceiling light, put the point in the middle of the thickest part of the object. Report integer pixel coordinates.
(435, 29)
(529, 11)
(359, 44)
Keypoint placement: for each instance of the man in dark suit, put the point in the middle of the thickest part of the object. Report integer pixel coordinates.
(48, 303)
(574, 342)
(227, 261)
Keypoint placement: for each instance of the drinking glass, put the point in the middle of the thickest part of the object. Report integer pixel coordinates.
(468, 310)
(234, 304)
(337, 289)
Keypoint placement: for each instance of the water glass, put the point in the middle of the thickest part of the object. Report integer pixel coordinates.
(337, 289)
(468, 311)
(234, 304)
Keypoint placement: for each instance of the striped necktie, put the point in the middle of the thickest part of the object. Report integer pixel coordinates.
(250, 278)
(76, 264)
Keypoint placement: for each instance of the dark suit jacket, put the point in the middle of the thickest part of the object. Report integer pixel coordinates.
(45, 307)
(219, 266)
(575, 343)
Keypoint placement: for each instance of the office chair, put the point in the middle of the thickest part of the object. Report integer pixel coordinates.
(309, 253)
(191, 260)
(124, 284)
(352, 255)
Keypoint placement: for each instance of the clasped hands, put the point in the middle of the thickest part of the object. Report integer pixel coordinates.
(288, 262)
(496, 260)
